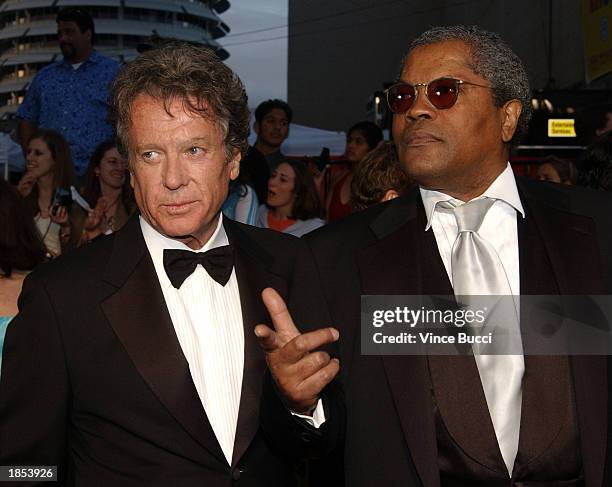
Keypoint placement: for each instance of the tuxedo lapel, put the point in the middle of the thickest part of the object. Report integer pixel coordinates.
(545, 401)
(455, 380)
(138, 314)
(567, 240)
(254, 272)
(392, 265)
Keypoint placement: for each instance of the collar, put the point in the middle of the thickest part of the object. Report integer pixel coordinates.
(157, 243)
(503, 188)
(95, 57)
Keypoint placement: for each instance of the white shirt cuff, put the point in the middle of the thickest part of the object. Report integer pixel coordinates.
(317, 418)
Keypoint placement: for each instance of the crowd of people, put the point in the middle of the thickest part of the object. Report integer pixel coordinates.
(66, 137)
(84, 182)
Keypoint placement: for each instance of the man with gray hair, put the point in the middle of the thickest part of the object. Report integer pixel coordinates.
(461, 101)
(133, 361)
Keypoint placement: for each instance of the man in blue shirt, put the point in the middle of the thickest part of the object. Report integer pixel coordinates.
(71, 95)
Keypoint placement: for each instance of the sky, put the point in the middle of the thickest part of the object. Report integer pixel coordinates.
(259, 58)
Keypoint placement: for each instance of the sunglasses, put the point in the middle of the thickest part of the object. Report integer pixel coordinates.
(442, 93)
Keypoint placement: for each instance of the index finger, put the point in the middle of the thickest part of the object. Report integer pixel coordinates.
(281, 319)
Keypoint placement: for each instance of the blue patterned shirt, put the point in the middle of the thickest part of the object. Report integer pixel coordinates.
(73, 102)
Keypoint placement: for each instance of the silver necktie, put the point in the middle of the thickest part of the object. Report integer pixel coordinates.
(478, 271)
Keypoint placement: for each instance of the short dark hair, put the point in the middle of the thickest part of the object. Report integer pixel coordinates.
(378, 172)
(596, 166)
(79, 16)
(21, 246)
(372, 132)
(492, 59)
(194, 75)
(306, 204)
(267, 106)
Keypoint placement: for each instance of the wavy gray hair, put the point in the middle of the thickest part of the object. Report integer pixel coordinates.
(190, 73)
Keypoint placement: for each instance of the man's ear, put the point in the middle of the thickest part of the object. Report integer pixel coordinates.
(132, 179)
(256, 127)
(234, 165)
(391, 194)
(511, 111)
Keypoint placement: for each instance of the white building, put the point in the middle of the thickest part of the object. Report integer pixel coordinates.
(28, 33)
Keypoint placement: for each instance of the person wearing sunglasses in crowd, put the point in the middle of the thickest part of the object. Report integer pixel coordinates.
(470, 227)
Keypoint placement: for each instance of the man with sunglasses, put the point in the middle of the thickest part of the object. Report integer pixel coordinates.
(470, 228)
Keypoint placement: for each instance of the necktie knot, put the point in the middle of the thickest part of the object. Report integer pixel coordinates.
(180, 264)
(470, 215)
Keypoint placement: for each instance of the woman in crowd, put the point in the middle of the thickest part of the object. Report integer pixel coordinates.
(292, 205)
(49, 172)
(361, 139)
(557, 170)
(241, 203)
(108, 192)
(21, 249)
(378, 177)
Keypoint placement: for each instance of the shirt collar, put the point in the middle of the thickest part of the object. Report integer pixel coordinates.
(94, 58)
(157, 243)
(503, 188)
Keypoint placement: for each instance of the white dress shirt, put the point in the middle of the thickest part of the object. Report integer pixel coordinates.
(207, 318)
(499, 229)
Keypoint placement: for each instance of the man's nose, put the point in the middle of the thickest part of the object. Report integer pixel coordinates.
(421, 107)
(175, 173)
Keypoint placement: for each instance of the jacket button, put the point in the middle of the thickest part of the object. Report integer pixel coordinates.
(236, 474)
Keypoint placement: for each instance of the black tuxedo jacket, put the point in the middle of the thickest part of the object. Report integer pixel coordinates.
(391, 434)
(94, 379)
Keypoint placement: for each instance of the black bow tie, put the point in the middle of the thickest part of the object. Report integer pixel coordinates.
(180, 264)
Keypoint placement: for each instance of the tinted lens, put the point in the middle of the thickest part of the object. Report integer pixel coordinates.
(443, 92)
(400, 98)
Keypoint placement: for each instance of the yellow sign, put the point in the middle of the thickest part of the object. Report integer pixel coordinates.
(596, 25)
(561, 127)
